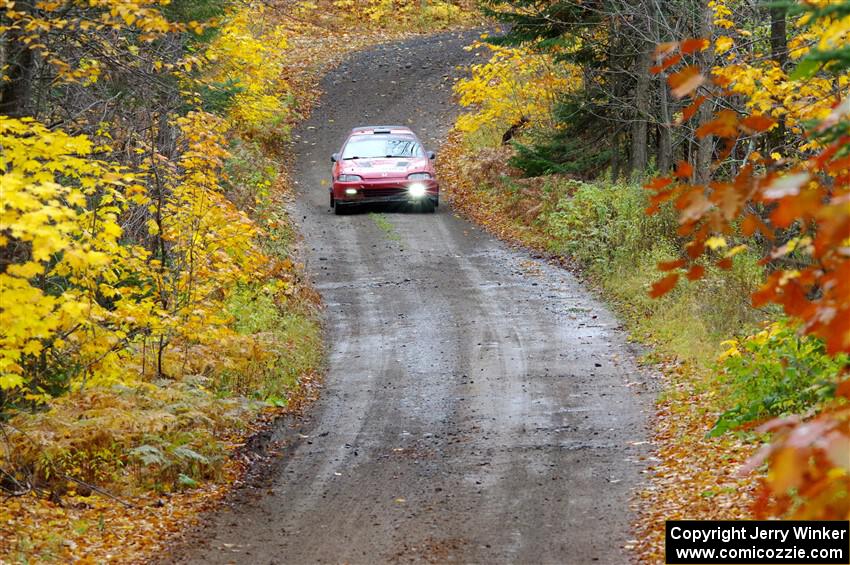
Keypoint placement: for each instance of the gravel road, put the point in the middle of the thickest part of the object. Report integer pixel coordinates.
(480, 405)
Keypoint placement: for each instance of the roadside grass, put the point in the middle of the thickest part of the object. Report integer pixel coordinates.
(385, 226)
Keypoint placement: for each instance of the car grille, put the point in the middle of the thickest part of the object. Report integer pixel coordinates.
(383, 192)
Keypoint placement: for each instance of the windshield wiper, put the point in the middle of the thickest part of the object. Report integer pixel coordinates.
(350, 158)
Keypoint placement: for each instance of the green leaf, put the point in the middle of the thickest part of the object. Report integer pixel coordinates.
(186, 481)
(805, 69)
(190, 455)
(148, 455)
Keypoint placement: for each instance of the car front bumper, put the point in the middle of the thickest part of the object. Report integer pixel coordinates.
(381, 190)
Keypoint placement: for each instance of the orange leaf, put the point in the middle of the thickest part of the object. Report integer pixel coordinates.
(693, 45)
(787, 185)
(725, 124)
(839, 165)
(749, 225)
(664, 286)
(793, 208)
(764, 295)
(757, 123)
(752, 223)
(727, 199)
(662, 196)
(689, 112)
(843, 389)
(664, 49)
(668, 62)
(725, 263)
(685, 81)
(693, 206)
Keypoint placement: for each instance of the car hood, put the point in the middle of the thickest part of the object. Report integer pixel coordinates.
(384, 167)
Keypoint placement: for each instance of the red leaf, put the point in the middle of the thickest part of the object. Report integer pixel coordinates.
(696, 272)
(693, 45)
(684, 170)
(843, 389)
(658, 183)
(670, 265)
(725, 263)
(695, 249)
(664, 286)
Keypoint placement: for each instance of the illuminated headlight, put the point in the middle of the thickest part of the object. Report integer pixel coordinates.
(416, 190)
(348, 178)
(351, 191)
(419, 176)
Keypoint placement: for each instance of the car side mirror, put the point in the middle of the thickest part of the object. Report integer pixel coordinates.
(334, 157)
(432, 155)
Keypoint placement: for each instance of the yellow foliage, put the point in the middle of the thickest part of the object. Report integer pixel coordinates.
(250, 53)
(62, 291)
(143, 18)
(767, 88)
(79, 300)
(516, 82)
(213, 244)
(403, 13)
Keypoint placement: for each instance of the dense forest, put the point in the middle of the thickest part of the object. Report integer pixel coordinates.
(688, 158)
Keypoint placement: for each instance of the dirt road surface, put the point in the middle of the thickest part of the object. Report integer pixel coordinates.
(479, 406)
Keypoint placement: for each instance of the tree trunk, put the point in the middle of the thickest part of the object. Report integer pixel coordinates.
(15, 90)
(778, 35)
(615, 158)
(664, 157)
(665, 137)
(705, 146)
(641, 61)
(639, 124)
(779, 53)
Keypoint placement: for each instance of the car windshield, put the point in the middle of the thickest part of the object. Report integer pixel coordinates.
(373, 146)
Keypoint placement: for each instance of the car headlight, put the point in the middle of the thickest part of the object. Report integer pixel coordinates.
(349, 178)
(419, 176)
(416, 190)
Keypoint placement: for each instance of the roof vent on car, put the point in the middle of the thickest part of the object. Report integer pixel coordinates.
(379, 129)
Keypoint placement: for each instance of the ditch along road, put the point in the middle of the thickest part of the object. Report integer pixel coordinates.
(479, 405)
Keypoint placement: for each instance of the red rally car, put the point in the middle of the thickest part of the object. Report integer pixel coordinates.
(383, 164)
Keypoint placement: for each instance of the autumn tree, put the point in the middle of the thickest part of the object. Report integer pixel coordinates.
(796, 202)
